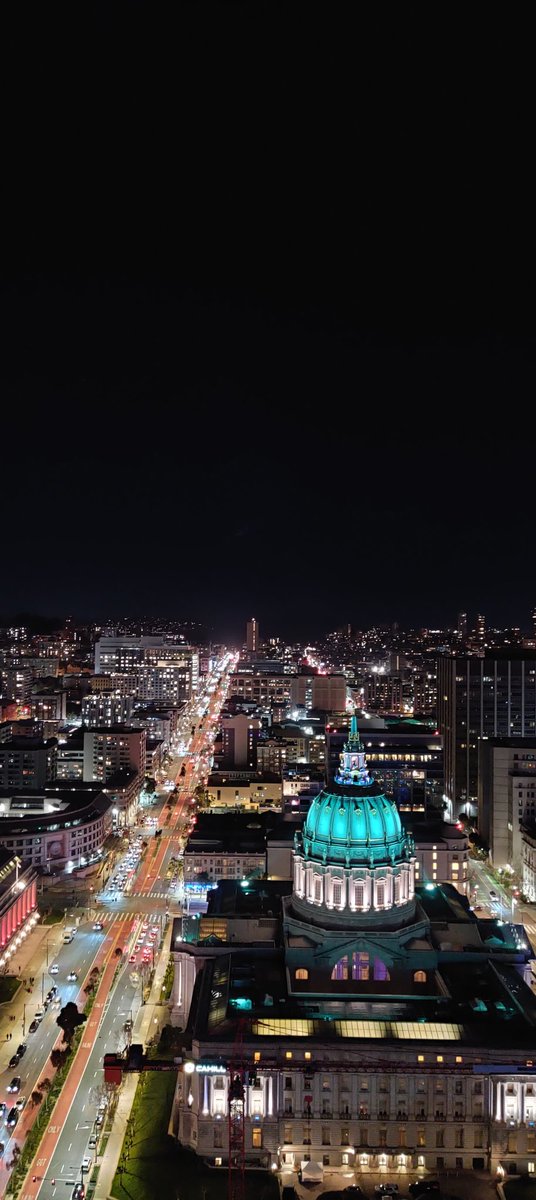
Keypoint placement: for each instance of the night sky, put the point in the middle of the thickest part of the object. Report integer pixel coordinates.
(267, 317)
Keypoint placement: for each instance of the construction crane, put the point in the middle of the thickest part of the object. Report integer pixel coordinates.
(236, 1118)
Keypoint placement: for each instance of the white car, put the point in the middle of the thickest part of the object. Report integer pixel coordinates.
(54, 969)
(85, 1165)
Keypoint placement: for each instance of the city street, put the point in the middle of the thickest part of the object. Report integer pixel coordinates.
(134, 923)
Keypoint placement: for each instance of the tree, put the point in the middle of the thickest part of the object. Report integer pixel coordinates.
(118, 952)
(149, 784)
(36, 1098)
(45, 1085)
(58, 1057)
(69, 1019)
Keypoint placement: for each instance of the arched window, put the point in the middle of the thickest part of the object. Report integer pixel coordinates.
(419, 977)
(302, 973)
(380, 893)
(337, 892)
(340, 970)
(360, 965)
(318, 887)
(359, 895)
(380, 969)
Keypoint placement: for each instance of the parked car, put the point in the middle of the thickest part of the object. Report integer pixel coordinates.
(86, 1163)
(34, 1026)
(72, 976)
(78, 1192)
(20, 1103)
(39, 1014)
(14, 1086)
(53, 970)
(386, 1189)
(14, 1061)
(97, 925)
(93, 1139)
(21, 1050)
(13, 1117)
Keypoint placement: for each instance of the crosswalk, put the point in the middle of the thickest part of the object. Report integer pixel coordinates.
(105, 916)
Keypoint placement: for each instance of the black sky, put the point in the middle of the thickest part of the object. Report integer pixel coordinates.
(267, 315)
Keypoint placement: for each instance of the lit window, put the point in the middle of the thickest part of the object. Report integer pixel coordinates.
(307, 1054)
(302, 973)
(288, 1053)
(420, 1058)
(459, 1058)
(439, 1058)
(257, 1056)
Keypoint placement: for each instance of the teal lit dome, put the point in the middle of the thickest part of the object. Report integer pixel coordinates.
(354, 828)
(354, 822)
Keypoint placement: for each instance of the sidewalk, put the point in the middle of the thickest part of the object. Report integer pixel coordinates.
(30, 960)
(148, 1022)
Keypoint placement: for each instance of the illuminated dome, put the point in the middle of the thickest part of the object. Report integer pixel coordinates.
(354, 822)
(364, 830)
(353, 854)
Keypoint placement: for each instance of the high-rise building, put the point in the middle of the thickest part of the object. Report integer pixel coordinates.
(252, 636)
(506, 797)
(106, 708)
(113, 749)
(486, 697)
(239, 741)
(462, 627)
(27, 762)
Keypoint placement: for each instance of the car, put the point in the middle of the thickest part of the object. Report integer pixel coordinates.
(3, 1108)
(78, 1192)
(2, 1149)
(386, 1189)
(14, 1061)
(97, 926)
(72, 976)
(99, 1119)
(132, 958)
(477, 908)
(12, 1118)
(93, 1140)
(34, 1026)
(86, 1163)
(21, 1050)
(53, 970)
(128, 1025)
(20, 1103)
(423, 1187)
(14, 1086)
(39, 1014)
(493, 895)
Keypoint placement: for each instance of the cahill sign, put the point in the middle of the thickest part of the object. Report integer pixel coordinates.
(210, 1069)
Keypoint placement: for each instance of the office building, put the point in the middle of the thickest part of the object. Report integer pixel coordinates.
(406, 758)
(58, 827)
(506, 797)
(491, 697)
(27, 762)
(235, 789)
(240, 735)
(106, 708)
(252, 636)
(325, 692)
(111, 749)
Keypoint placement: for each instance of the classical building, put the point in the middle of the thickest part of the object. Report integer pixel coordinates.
(360, 1022)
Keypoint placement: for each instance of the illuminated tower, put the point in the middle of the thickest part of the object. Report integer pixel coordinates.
(252, 636)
